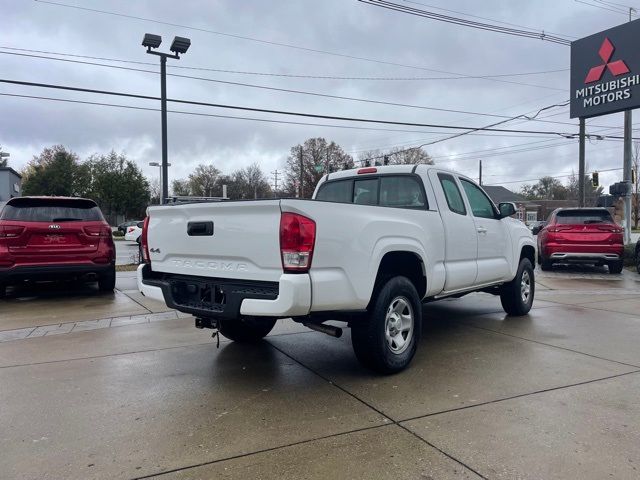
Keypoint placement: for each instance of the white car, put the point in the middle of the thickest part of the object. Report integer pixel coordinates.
(372, 245)
(133, 232)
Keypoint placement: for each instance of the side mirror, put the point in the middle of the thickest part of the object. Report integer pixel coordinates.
(536, 230)
(507, 209)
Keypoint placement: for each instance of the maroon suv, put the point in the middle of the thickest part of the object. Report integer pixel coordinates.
(48, 238)
(581, 235)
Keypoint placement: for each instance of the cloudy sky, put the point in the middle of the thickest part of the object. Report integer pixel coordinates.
(418, 62)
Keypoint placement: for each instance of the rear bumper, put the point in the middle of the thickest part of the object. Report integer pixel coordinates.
(52, 272)
(583, 253)
(289, 297)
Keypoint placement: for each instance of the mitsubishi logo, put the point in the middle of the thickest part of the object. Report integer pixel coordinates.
(616, 68)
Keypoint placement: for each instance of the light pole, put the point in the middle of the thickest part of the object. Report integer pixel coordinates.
(180, 45)
(159, 165)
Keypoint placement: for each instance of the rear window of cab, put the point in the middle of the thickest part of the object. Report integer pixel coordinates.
(399, 191)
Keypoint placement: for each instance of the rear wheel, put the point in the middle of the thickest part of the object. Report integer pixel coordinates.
(517, 295)
(545, 265)
(615, 267)
(107, 281)
(246, 329)
(388, 339)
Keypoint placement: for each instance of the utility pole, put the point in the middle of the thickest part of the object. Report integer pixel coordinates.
(301, 186)
(179, 46)
(581, 164)
(626, 173)
(275, 182)
(480, 173)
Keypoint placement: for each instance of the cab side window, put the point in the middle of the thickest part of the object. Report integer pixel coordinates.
(401, 191)
(452, 193)
(481, 206)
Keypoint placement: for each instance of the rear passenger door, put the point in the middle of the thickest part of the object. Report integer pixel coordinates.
(494, 244)
(461, 244)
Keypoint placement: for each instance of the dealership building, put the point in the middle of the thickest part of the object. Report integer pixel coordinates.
(10, 184)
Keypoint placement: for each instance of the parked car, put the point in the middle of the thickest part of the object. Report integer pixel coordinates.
(133, 232)
(124, 225)
(637, 257)
(536, 226)
(44, 238)
(581, 235)
(371, 246)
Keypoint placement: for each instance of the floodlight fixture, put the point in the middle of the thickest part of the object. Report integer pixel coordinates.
(4, 154)
(151, 41)
(180, 45)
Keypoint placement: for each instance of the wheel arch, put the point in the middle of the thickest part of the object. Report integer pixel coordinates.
(402, 263)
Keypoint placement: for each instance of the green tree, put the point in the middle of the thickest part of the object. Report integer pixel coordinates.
(547, 188)
(591, 193)
(248, 182)
(180, 188)
(204, 181)
(318, 157)
(117, 185)
(56, 171)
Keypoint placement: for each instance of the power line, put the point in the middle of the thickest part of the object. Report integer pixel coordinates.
(540, 35)
(287, 75)
(610, 8)
(266, 87)
(281, 112)
(255, 119)
(555, 176)
(279, 44)
(483, 18)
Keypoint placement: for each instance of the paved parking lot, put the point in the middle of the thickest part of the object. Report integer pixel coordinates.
(117, 386)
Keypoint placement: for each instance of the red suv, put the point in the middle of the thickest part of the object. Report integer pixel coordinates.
(48, 238)
(581, 235)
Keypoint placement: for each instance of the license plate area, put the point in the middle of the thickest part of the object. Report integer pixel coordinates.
(199, 294)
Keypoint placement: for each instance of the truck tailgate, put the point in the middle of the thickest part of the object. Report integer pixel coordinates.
(237, 240)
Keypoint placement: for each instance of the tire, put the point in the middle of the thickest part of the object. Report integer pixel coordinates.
(246, 329)
(3, 290)
(517, 295)
(383, 342)
(615, 267)
(107, 281)
(545, 265)
(638, 263)
(140, 257)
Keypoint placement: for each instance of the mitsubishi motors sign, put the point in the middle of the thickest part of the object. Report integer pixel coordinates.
(605, 71)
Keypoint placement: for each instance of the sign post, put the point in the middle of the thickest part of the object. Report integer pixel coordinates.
(605, 78)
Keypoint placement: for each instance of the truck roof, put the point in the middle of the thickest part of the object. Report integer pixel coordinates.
(387, 169)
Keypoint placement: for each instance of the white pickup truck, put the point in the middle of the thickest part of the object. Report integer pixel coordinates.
(368, 249)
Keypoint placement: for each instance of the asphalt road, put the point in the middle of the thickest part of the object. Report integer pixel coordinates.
(117, 386)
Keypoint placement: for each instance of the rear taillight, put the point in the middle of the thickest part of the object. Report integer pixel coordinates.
(297, 238)
(144, 242)
(10, 231)
(98, 231)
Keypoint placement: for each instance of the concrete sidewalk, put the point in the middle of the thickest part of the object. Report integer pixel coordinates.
(552, 395)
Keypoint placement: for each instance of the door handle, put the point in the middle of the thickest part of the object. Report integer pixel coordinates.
(481, 230)
(200, 229)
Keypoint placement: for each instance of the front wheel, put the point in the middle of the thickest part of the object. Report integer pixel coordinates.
(388, 339)
(246, 329)
(517, 295)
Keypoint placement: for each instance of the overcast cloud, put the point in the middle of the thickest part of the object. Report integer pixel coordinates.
(347, 27)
